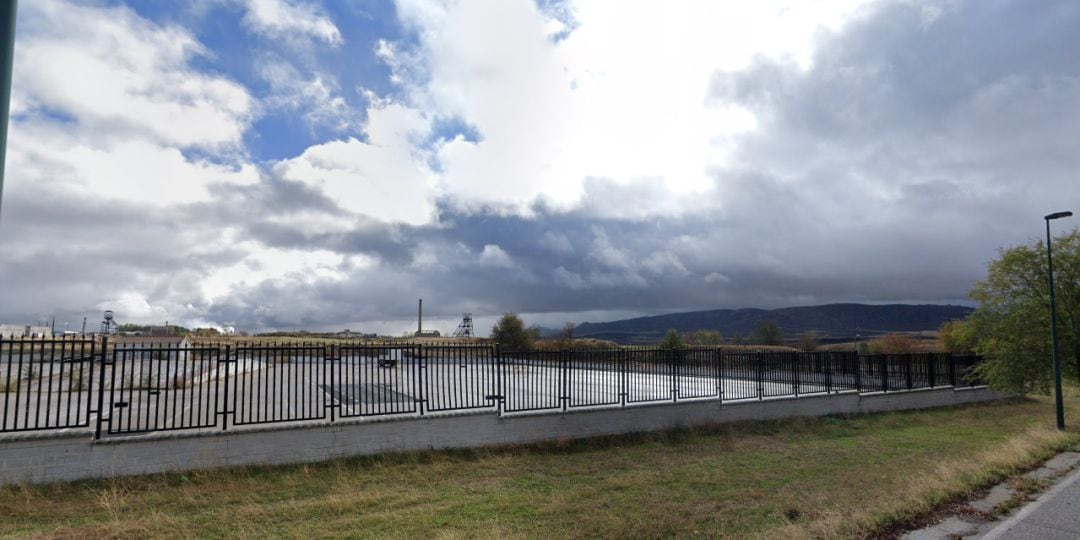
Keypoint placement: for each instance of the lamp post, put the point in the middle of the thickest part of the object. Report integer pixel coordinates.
(7, 48)
(1058, 402)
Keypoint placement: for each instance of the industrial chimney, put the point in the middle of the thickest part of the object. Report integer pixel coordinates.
(420, 317)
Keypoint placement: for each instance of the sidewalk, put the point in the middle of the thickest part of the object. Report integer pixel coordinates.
(1054, 515)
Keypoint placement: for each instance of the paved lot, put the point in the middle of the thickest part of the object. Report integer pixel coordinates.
(152, 394)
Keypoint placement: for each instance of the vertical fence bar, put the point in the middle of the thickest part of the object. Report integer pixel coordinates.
(673, 354)
(794, 363)
(952, 370)
(101, 387)
(564, 379)
(884, 373)
(907, 370)
(224, 406)
(425, 392)
(759, 372)
(931, 369)
(331, 361)
(828, 371)
(499, 373)
(719, 374)
(622, 376)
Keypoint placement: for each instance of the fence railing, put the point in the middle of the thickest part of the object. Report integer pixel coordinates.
(126, 388)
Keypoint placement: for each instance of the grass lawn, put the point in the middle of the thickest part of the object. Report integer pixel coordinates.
(836, 476)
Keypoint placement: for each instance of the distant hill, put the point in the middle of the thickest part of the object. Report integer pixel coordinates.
(836, 321)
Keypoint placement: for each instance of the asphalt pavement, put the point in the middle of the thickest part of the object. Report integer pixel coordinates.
(1054, 515)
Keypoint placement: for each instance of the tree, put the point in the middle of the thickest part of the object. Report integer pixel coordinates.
(894, 344)
(956, 337)
(710, 338)
(808, 342)
(767, 333)
(510, 333)
(1012, 323)
(567, 334)
(672, 340)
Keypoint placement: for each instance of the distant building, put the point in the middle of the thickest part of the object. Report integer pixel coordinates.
(9, 331)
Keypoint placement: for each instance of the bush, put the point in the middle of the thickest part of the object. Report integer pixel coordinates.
(808, 342)
(672, 340)
(894, 344)
(510, 333)
(767, 333)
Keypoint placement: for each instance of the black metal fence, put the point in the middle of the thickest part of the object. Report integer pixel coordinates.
(148, 387)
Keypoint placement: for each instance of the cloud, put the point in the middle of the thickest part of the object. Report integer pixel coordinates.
(317, 98)
(291, 20)
(597, 102)
(112, 75)
(494, 255)
(382, 177)
(554, 164)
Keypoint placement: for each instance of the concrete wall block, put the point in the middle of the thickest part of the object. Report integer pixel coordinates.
(70, 458)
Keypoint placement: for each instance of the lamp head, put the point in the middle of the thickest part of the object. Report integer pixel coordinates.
(1057, 215)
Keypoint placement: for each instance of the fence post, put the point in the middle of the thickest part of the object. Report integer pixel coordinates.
(225, 397)
(674, 353)
(496, 387)
(952, 370)
(759, 373)
(719, 374)
(421, 367)
(907, 370)
(828, 370)
(884, 373)
(795, 372)
(564, 378)
(101, 387)
(622, 376)
(331, 362)
(931, 369)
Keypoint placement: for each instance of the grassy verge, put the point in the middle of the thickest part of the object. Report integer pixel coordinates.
(837, 476)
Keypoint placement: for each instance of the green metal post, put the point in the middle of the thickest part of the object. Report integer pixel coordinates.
(1059, 404)
(7, 41)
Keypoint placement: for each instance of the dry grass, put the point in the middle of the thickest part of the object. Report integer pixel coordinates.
(826, 477)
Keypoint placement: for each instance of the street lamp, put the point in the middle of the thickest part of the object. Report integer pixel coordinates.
(1058, 402)
(7, 47)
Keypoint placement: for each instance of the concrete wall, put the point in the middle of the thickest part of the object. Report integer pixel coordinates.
(42, 458)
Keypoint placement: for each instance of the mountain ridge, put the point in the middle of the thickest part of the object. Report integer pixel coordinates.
(840, 321)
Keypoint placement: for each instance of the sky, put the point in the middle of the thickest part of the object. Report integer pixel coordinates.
(321, 165)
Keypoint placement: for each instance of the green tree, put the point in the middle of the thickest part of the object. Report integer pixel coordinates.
(710, 338)
(956, 337)
(672, 340)
(767, 333)
(510, 333)
(1012, 323)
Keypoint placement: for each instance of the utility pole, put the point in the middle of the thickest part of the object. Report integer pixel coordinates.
(7, 41)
